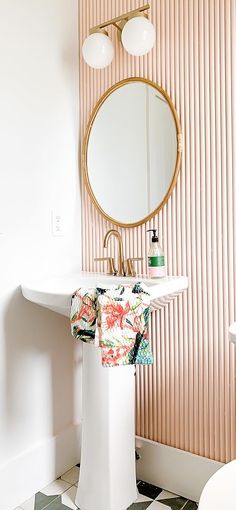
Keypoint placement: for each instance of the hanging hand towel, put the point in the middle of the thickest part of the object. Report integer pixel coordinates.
(83, 314)
(123, 315)
(115, 319)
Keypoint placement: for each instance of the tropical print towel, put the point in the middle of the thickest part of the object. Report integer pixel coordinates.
(83, 314)
(116, 320)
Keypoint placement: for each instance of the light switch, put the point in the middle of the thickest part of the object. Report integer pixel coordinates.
(57, 224)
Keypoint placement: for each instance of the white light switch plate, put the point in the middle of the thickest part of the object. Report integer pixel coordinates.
(57, 223)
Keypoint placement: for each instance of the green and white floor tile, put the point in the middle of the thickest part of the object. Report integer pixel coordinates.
(60, 495)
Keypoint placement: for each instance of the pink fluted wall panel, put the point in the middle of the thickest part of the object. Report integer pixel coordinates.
(187, 399)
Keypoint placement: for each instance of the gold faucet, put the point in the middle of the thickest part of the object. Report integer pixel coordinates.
(115, 233)
(125, 267)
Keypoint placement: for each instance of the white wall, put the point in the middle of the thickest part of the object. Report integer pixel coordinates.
(38, 174)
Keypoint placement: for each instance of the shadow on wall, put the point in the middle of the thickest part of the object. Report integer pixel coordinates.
(40, 375)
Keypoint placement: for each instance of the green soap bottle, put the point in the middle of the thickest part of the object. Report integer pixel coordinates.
(156, 258)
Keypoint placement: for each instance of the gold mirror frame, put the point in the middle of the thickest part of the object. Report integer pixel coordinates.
(85, 151)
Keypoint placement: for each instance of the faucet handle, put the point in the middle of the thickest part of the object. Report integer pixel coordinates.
(110, 264)
(130, 271)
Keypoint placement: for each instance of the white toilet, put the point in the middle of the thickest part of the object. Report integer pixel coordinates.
(219, 492)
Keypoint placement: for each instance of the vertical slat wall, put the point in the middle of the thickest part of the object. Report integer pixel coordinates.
(187, 399)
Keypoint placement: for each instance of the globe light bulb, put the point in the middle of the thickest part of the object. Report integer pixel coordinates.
(98, 50)
(138, 36)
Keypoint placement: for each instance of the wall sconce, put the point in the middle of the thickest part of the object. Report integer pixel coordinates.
(136, 32)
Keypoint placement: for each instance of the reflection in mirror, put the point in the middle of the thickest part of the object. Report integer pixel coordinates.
(132, 152)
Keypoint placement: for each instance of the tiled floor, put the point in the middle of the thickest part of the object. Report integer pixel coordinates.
(60, 495)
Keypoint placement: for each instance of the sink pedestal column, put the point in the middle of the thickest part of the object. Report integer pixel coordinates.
(107, 473)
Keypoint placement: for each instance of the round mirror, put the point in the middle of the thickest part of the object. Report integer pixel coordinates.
(132, 151)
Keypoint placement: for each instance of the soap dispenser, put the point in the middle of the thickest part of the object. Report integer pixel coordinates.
(156, 259)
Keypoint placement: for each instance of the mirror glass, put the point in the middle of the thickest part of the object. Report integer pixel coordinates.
(131, 152)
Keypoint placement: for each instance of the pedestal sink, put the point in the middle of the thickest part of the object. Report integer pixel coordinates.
(107, 473)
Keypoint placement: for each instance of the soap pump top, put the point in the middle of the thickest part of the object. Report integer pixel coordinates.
(154, 236)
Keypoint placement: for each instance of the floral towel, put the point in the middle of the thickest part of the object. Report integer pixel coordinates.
(83, 314)
(116, 320)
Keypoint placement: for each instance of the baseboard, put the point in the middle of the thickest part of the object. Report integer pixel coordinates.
(172, 469)
(35, 468)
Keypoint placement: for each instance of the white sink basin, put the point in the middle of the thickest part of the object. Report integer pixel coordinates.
(232, 333)
(55, 293)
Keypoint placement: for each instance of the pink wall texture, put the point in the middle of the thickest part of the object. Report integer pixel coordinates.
(187, 399)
